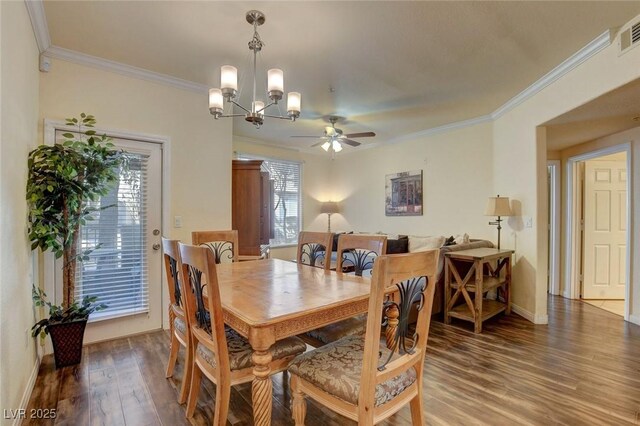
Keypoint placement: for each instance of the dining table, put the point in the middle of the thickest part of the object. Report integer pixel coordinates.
(271, 299)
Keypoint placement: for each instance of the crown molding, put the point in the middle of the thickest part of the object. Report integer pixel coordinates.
(35, 9)
(123, 69)
(443, 129)
(596, 45)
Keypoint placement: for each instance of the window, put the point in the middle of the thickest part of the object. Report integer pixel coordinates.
(287, 200)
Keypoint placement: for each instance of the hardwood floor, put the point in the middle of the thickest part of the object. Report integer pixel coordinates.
(583, 368)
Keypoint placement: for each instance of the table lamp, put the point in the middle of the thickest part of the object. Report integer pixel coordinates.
(329, 207)
(498, 206)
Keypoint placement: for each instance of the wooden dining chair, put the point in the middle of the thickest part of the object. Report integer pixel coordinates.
(180, 333)
(220, 353)
(223, 244)
(357, 253)
(358, 377)
(314, 249)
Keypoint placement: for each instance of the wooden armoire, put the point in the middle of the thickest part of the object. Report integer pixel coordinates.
(252, 207)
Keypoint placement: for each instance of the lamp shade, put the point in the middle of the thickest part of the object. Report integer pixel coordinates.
(329, 207)
(498, 206)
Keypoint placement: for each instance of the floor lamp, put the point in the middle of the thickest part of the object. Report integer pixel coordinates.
(498, 206)
(329, 207)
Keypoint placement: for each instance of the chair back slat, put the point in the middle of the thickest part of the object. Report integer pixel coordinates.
(171, 256)
(199, 272)
(223, 244)
(413, 276)
(314, 249)
(359, 251)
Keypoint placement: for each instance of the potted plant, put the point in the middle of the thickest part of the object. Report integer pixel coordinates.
(63, 179)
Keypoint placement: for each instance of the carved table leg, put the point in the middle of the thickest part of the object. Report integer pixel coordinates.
(261, 388)
(392, 325)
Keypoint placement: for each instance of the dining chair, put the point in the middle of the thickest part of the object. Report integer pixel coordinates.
(314, 249)
(357, 376)
(220, 353)
(223, 244)
(356, 252)
(180, 333)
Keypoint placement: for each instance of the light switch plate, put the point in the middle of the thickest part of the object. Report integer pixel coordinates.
(528, 222)
(177, 221)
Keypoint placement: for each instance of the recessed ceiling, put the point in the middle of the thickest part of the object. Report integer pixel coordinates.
(610, 113)
(396, 67)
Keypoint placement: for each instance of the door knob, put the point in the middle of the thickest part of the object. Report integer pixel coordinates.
(156, 246)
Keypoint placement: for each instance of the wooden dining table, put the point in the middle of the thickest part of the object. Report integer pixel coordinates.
(268, 300)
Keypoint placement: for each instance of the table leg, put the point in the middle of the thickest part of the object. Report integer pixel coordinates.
(447, 289)
(507, 297)
(478, 307)
(261, 387)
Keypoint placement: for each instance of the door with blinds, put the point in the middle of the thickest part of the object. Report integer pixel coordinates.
(124, 268)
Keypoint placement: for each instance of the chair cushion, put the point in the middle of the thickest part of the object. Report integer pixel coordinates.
(337, 367)
(332, 332)
(240, 350)
(180, 325)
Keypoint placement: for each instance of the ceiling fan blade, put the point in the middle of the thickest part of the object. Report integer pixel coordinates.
(318, 144)
(312, 137)
(361, 135)
(349, 142)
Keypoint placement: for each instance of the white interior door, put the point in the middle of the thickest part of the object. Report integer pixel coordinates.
(605, 221)
(125, 268)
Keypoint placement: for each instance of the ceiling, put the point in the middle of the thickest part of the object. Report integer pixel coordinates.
(394, 68)
(610, 113)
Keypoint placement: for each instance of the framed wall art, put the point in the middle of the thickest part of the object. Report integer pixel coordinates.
(403, 194)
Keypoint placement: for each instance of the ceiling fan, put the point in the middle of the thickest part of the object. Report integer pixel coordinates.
(333, 138)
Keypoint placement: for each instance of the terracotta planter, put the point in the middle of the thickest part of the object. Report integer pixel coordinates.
(67, 340)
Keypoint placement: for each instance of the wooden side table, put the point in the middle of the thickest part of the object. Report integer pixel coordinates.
(487, 277)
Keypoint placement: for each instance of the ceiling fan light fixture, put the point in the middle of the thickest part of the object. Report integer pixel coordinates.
(275, 85)
(337, 146)
(326, 146)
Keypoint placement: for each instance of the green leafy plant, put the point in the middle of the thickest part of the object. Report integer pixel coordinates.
(76, 311)
(63, 179)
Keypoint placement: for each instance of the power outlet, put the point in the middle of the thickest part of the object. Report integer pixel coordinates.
(177, 221)
(528, 222)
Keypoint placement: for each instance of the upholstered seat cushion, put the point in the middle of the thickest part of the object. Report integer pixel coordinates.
(180, 325)
(240, 350)
(332, 332)
(336, 368)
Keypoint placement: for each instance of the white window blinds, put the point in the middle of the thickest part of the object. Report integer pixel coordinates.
(117, 268)
(287, 204)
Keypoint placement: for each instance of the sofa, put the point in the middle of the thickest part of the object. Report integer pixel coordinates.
(400, 244)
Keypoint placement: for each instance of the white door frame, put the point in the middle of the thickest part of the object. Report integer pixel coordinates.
(572, 236)
(50, 127)
(554, 226)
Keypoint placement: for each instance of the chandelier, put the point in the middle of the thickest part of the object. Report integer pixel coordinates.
(275, 86)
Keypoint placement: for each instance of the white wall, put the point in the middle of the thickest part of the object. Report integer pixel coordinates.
(315, 184)
(19, 123)
(457, 179)
(201, 147)
(519, 164)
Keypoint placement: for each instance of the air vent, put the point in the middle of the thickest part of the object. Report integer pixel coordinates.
(630, 36)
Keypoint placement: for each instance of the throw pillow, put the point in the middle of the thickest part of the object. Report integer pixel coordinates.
(462, 239)
(398, 245)
(451, 241)
(417, 244)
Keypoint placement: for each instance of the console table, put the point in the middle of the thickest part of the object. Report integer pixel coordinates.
(490, 269)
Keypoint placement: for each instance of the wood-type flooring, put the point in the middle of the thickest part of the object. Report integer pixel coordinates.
(583, 368)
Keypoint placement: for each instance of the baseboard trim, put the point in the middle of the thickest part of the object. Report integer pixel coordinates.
(24, 402)
(635, 319)
(528, 315)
